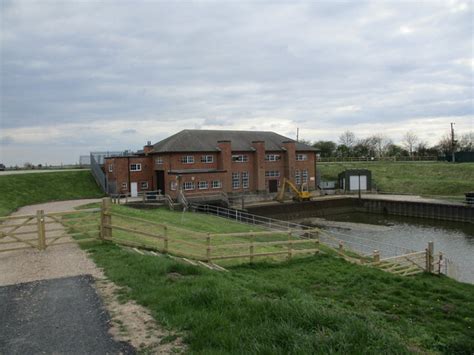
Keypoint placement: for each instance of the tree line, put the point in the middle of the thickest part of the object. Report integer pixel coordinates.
(380, 145)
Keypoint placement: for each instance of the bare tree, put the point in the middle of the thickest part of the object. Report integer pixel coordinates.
(381, 143)
(348, 139)
(410, 139)
(466, 142)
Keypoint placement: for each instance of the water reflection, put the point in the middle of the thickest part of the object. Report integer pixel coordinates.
(455, 240)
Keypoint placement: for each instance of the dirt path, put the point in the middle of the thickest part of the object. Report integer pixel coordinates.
(54, 262)
(68, 264)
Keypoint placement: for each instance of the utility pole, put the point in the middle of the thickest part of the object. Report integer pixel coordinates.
(452, 142)
(297, 134)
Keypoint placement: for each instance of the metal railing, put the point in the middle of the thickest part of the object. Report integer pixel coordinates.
(372, 159)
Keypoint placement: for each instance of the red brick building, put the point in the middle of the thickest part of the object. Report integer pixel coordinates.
(210, 161)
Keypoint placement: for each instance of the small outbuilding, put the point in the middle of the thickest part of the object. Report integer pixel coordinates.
(351, 179)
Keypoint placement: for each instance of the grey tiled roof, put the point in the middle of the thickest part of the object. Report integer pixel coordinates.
(196, 140)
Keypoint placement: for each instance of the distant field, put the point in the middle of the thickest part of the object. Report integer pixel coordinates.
(26, 189)
(419, 178)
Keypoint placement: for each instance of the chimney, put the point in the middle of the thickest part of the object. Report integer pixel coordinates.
(148, 147)
(224, 162)
(259, 165)
(290, 159)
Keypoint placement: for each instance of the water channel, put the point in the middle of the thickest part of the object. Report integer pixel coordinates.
(394, 235)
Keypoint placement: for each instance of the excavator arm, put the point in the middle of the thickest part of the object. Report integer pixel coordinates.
(298, 194)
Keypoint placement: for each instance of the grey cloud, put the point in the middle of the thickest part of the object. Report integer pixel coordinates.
(303, 62)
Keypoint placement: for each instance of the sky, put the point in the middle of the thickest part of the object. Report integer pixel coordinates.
(110, 75)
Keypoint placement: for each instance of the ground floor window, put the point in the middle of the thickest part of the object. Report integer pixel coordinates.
(297, 177)
(235, 180)
(188, 185)
(245, 179)
(216, 184)
(144, 185)
(304, 176)
(173, 185)
(272, 173)
(203, 185)
(124, 185)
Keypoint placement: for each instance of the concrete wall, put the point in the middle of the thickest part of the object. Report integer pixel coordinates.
(289, 211)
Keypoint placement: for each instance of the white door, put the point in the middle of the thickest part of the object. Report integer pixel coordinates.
(134, 189)
(354, 182)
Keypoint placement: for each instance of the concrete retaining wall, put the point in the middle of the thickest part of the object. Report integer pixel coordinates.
(322, 208)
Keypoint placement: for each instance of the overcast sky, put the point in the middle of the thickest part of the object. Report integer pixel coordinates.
(110, 75)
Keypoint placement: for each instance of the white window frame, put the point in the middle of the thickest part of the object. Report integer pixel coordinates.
(236, 180)
(216, 184)
(111, 168)
(301, 157)
(137, 167)
(159, 160)
(297, 177)
(245, 179)
(207, 159)
(124, 185)
(304, 176)
(272, 173)
(272, 157)
(203, 185)
(173, 185)
(240, 158)
(187, 159)
(188, 185)
(144, 185)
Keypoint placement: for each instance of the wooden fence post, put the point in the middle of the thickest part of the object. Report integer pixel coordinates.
(41, 230)
(251, 248)
(105, 219)
(208, 247)
(165, 232)
(290, 251)
(376, 256)
(440, 263)
(341, 248)
(429, 257)
(316, 242)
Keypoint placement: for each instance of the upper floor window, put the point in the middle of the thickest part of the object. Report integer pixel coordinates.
(136, 167)
(241, 158)
(111, 168)
(159, 160)
(272, 157)
(187, 159)
(301, 157)
(207, 159)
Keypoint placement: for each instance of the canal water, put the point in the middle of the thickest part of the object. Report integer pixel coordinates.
(394, 235)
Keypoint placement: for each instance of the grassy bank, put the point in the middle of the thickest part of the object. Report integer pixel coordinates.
(318, 304)
(419, 178)
(26, 189)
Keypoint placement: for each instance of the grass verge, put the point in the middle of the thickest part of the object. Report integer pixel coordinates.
(418, 178)
(318, 304)
(26, 189)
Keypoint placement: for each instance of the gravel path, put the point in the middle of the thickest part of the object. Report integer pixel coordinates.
(56, 261)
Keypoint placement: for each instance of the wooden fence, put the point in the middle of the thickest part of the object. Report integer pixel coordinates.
(208, 247)
(43, 230)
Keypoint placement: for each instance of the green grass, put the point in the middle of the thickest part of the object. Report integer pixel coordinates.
(419, 178)
(318, 304)
(185, 228)
(26, 189)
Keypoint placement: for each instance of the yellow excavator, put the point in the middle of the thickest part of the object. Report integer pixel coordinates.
(299, 194)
